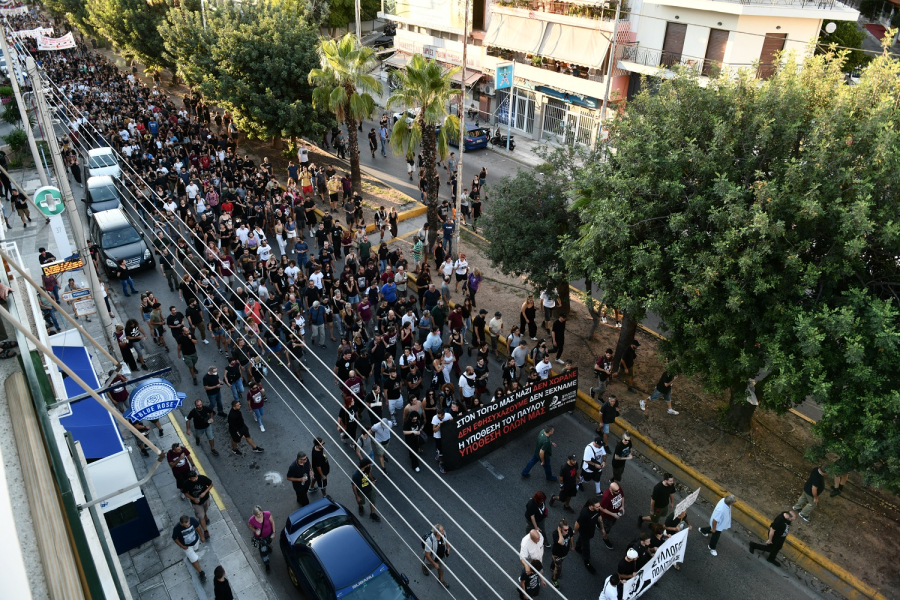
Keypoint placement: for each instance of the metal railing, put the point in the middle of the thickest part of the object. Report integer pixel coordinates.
(657, 58)
(598, 12)
(819, 4)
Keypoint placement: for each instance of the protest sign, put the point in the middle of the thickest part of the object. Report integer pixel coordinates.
(687, 502)
(670, 553)
(482, 431)
(60, 43)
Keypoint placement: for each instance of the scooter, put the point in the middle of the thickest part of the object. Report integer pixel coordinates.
(500, 140)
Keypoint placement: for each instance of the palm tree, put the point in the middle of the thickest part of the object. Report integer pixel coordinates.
(427, 87)
(343, 85)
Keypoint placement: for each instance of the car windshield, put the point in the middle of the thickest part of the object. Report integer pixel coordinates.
(477, 132)
(323, 526)
(379, 585)
(103, 193)
(102, 160)
(120, 237)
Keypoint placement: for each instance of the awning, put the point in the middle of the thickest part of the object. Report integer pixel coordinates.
(398, 60)
(515, 33)
(577, 45)
(471, 76)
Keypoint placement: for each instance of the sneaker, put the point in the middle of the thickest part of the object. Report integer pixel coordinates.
(202, 575)
(441, 469)
(268, 568)
(259, 449)
(643, 405)
(418, 469)
(262, 428)
(704, 533)
(237, 452)
(711, 551)
(603, 320)
(222, 413)
(206, 341)
(161, 432)
(362, 511)
(774, 562)
(590, 568)
(214, 451)
(560, 361)
(804, 517)
(207, 534)
(425, 570)
(555, 583)
(592, 392)
(608, 544)
(375, 517)
(836, 492)
(393, 422)
(144, 452)
(672, 411)
(553, 500)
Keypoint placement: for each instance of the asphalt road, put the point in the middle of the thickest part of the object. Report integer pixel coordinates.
(492, 488)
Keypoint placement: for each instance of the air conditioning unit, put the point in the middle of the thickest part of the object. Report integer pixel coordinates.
(488, 89)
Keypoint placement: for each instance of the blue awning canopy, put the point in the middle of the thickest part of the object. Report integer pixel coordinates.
(89, 423)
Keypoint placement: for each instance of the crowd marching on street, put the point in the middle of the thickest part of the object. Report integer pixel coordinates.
(278, 275)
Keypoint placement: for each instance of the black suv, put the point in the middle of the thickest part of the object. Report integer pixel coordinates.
(119, 239)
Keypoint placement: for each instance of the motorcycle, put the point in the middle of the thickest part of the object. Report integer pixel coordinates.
(497, 139)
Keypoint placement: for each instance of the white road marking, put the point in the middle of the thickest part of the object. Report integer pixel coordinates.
(273, 477)
(490, 468)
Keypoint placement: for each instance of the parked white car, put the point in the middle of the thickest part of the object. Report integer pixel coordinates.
(102, 161)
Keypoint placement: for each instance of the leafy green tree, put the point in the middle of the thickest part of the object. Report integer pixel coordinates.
(74, 11)
(133, 26)
(425, 86)
(249, 60)
(759, 221)
(848, 35)
(336, 14)
(343, 86)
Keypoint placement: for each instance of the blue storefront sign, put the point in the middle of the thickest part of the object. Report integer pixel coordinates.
(153, 399)
(503, 77)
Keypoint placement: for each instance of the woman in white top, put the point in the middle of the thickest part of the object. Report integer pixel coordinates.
(461, 267)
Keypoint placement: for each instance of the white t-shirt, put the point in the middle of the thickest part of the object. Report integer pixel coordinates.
(461, 266)
(192, 190)
(592, 454)
(292, 273)
(438, 420)
(264, 252)
(467, 390)
(303, 155)
(317, 278)
(447, 269)
(243, 233)
(543, 369)
(547, 300)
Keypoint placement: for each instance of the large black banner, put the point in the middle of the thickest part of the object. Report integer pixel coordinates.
(481, 432)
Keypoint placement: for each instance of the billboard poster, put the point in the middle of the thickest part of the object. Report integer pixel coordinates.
(480, 432)
(441, 14)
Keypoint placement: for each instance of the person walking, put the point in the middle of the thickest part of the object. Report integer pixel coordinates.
(262, 524)
(437, 549)
(626, 363)
(621, 455)
(809, 497)
(778, 532)
(187, 534)
(612, 507)
(586, 525)
(558, 335)
(197, 489)
(299, 474)
(363, 485)
(718, 522)
(562, 541)
(568, 483)
(238, 430)
(221, 586)
(662, 500)
(535, 513)
(531, 548)
(256, 402)
(320, 466)
(124, 277)
(613, 589)
(542, 451)
(412, 428)
(187, 351)
(663, 390)
(603, 369)
(212, 383)
(179, 459)
(593, 462)
(608, 413)
(317, 324)
(201, 418)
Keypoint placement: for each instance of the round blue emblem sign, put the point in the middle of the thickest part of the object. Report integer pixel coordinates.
(153, 399)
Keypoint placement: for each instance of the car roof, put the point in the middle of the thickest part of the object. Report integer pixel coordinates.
(100, 151)
(100, 181)
(334, 546)
(111, 219)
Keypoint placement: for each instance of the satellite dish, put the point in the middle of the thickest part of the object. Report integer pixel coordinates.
(831, 27)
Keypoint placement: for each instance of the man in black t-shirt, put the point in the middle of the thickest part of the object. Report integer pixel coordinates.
(175, 321)
(586, 525)
(662, 500)
(558, 334)
(628, 566)
(568, 482)
(562, 541)
(809, 498)
(20, 204)
(621, 456)
(194, 319)
(187, 351)
(626, 363)
(196, 488)
(608, 413)
(778, 532)
(201, 417)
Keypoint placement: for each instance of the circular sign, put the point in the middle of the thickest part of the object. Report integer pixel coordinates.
(153, 399)
(49, 200)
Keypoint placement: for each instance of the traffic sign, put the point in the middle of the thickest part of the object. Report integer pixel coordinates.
(76, 294)
(85, 307)
(49, 200)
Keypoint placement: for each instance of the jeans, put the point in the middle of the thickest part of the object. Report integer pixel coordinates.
(125, 284)
(215, 400)
(535, 460)
(52, 315)
(448, 245)
(171, 279)
(259, 415)
(237, 389)
(383, 141)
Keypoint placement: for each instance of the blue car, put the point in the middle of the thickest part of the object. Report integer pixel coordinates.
(317, 542)
(476, 137)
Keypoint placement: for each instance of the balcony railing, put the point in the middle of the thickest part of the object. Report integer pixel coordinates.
(817, 4)
(651, 57)
(575, 8)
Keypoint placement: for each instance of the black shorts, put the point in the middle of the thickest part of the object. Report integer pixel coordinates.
(460, 277)
(237, 436)
(591, 476)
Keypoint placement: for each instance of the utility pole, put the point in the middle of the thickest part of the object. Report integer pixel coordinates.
(23, 111)
(62, 179)
(462, 127)
(203, 12)
(612, 60)
(358, 10)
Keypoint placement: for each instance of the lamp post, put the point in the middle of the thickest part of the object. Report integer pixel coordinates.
(462, 125)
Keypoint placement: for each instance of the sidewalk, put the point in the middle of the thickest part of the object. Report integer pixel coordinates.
(157, 570)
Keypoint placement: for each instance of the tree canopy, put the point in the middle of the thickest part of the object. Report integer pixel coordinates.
(847, 34)
(758, 220)
(250, 60)
(133, 26)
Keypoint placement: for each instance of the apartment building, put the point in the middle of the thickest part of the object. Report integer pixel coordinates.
(562, 49)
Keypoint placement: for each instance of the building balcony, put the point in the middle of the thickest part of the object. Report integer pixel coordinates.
(658, 63)
(574, 13)
(845, 10)
(531, 77)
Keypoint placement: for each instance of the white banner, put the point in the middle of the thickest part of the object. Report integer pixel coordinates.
(687, 502)
(60, 43)
(33, 33)
(671, 552)
(11, 12)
